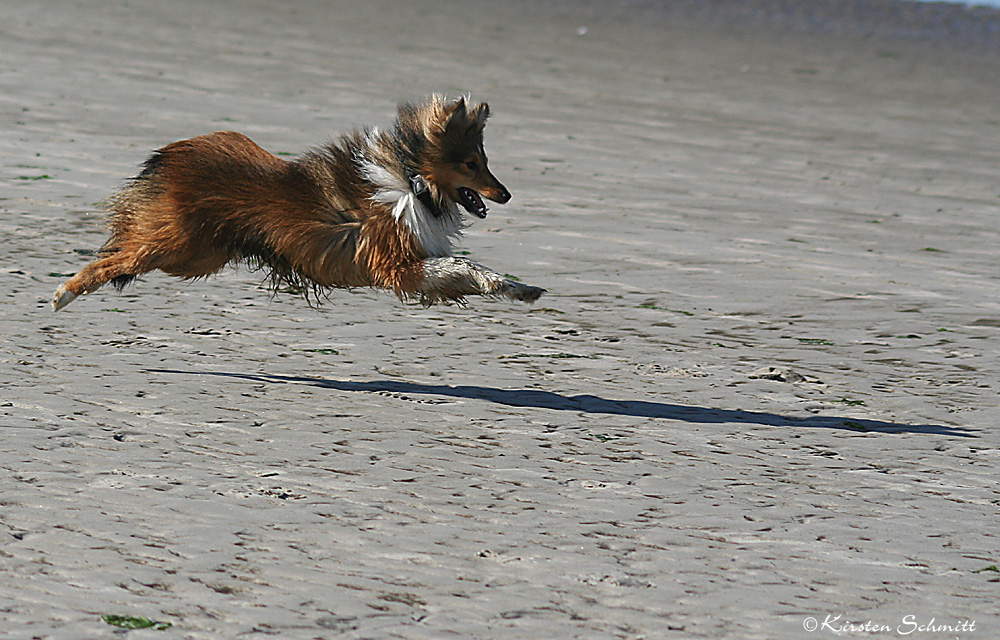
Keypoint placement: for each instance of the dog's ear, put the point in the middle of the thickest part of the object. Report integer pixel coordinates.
(478, 116)
(456, 115)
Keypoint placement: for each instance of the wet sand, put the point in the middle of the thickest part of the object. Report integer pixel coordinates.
(762, 387)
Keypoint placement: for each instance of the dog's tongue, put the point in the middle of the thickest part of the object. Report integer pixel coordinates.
(472, 202)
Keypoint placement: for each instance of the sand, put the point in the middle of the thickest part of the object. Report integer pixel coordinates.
(761, 394)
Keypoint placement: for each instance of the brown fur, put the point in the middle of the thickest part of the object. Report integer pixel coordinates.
(312, 223)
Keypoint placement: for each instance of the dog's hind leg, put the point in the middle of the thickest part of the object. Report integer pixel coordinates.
(455, 278)
(119, 268)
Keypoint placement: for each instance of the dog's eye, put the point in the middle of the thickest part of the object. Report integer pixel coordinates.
(472, 166)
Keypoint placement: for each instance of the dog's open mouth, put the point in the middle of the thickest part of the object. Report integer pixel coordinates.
(472, 202)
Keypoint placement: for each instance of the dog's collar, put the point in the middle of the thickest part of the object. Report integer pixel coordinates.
(423, 194)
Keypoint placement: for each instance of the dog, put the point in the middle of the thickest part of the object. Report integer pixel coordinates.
(376, 208)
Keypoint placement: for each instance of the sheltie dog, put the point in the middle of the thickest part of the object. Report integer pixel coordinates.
(375, 209)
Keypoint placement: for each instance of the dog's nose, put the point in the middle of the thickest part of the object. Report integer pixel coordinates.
(503, 197)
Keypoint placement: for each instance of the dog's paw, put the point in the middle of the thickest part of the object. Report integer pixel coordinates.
(522, 292)
(62, 298)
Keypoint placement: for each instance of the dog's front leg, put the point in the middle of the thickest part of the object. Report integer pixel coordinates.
(455, 278)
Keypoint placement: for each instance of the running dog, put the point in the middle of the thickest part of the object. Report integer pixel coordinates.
(376, 208)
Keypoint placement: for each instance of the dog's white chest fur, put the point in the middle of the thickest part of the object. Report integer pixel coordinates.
(435, 234)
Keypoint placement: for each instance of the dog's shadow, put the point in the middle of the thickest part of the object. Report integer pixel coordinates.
(536, 399)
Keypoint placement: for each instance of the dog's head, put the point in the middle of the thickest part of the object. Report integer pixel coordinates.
(454, 164)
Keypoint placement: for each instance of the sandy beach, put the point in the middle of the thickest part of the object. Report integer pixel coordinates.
(760, 396)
